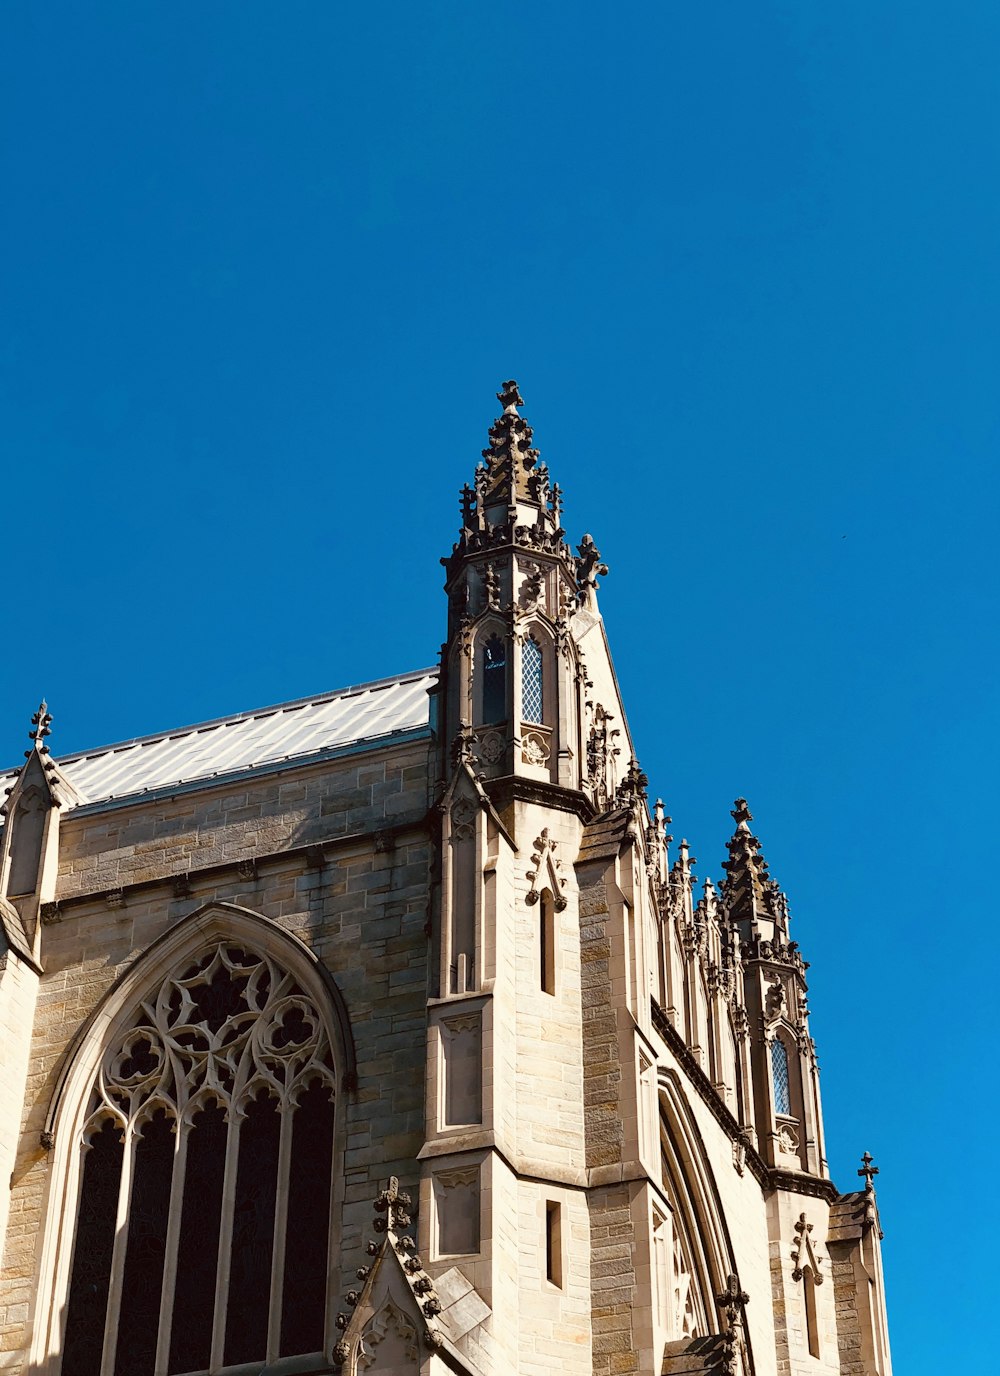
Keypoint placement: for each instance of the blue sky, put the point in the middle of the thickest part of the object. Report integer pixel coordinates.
(263, 269)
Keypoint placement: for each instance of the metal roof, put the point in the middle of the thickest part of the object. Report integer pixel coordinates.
(289, 731)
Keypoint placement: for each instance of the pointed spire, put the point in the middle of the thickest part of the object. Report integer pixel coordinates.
(511, 473)
(747, 889)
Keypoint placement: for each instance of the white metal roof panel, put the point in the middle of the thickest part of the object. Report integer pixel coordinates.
(268, 736)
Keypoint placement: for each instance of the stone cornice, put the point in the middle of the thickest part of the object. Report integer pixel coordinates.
(517, 788)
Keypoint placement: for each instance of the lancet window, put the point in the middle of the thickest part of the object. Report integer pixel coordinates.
(531, 681)
(209, 1131)
(494, 680)
(779, 1077)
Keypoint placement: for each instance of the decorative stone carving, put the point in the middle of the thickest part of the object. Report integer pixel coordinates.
(631, 791)
(535, 748)
(531, 587)
(788, 1140)
(544, 855)
(775, 1000)
(463, 816)
(732, 1302)
(491, 747)
(389, 1339)
(804, 1253)
(601, 749)
(589, 567)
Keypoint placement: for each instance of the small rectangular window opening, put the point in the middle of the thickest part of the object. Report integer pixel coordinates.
(547, 944)
(553, 1243)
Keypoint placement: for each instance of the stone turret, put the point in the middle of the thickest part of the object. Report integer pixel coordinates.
(785, 1074)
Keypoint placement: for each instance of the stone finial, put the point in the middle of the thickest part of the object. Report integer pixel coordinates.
(41, 722)
(391, 1208)
(632, 789)
(589, 566)
(509, 395)
(868, 1170)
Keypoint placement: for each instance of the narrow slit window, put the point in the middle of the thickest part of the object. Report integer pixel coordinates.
(553, 1243)
(547, 943)
(494, 680)
(779, 1077)
(531, 681)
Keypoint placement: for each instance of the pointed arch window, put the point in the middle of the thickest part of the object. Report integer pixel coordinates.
(209, 1130)
(531, 681)
(494, 680)
(779, 1077)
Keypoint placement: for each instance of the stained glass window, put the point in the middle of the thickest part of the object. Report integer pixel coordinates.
(494, 680)
(531, 681)
(223, 1062)
(779, 1077)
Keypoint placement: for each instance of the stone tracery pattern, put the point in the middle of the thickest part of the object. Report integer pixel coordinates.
(230, 1024)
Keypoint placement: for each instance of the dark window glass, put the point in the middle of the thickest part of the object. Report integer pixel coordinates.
(95, 1240)
(198, 1250)
(494, 680)
(253, 1233)
(531, 681)
(779, 1074)
(307, 1227)
(148, 1211)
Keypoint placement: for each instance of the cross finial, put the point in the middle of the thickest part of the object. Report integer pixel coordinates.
(509, 396)
(394, 1204)
(868, 1170)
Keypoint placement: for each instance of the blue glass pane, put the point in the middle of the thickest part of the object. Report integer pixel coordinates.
(779, 1076)
(531, 681)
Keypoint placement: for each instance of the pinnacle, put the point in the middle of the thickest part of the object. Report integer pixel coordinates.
(40, 724)
(510, 457)
(748, 889)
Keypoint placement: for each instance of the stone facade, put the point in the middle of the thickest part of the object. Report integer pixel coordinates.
(581, 1095)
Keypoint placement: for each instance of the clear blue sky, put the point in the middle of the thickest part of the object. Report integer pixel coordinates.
(263, 268)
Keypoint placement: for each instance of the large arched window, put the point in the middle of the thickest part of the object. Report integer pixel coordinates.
(206, 1162)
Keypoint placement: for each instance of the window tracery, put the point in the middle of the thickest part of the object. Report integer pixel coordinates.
(224, 1073)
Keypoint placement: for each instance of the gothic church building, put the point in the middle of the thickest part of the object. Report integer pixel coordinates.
(378, 1033)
